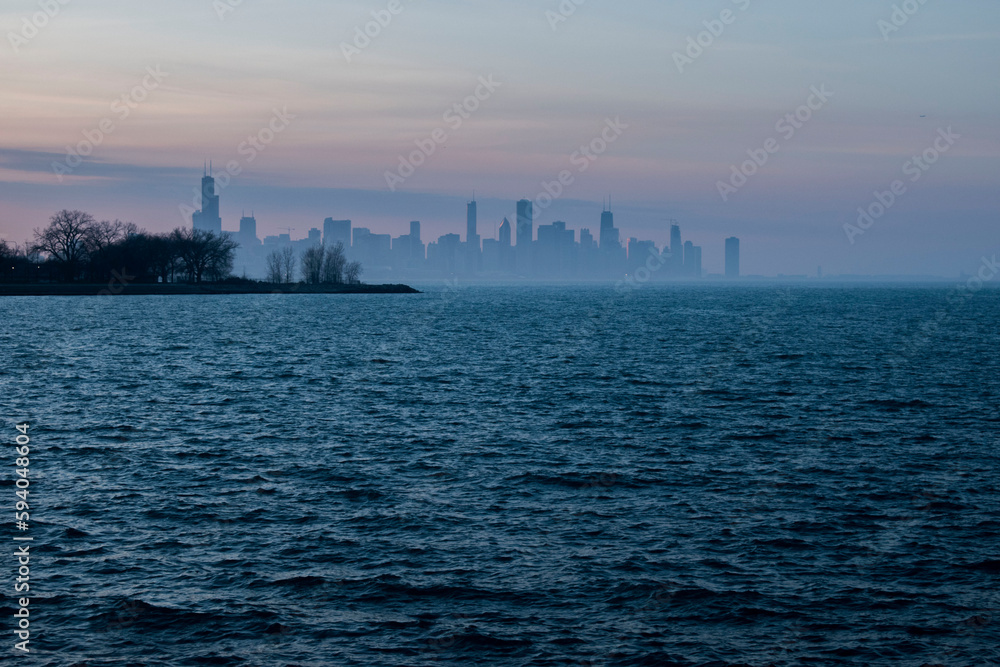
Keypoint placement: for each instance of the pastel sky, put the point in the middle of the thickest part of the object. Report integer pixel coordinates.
(223, 77)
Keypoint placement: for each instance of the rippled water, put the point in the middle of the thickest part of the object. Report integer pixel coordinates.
(511, 476)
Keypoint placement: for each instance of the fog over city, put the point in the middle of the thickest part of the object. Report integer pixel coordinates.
(858, 137)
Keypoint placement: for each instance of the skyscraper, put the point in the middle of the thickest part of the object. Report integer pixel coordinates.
(248, 231)
(337, 230)
(471, 233)
(505, 256)
(417, 252)
(639, 253)
(732, 257)
(505, 233)
(609, 235)
(676, 249)
(208, 218)
(525, 223)
(692, 260)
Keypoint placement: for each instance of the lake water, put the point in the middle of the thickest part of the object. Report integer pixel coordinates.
(687, 475)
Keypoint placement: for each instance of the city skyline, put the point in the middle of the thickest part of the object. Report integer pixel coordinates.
(555, 253)
(535, 332)
(782, 123)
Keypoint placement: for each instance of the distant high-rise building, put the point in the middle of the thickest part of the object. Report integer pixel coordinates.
(471, 231)
(676, 248)
(732, 257)
(692, 260)
(525, 223)
(505, 253)
(248, 231)
(402, 252)
(444, 255)
(639, 253)
(472, 261)
(208, 218)
(315, 236)
(505, 233)
(610, 238)
(359, 233)
(417, 251)
(337, 230)
(555, 249)
(248, 259)
(372, 250)
(556, 234)
(491, 256)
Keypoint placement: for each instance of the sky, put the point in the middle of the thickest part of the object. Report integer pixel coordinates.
(667, 98)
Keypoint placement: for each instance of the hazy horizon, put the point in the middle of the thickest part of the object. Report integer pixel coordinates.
(212, 74)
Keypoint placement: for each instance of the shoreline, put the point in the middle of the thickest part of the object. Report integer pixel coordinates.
(204, 289)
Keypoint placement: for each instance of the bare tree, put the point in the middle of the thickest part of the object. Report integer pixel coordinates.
(163, 256)
(287, 256)
(352, 273)
(334, 263)
(281, 265)
(103, 241)
(101, 235)
(64, 240)
(312, 265)
(274, 266)
(223, 255)
(204, 254)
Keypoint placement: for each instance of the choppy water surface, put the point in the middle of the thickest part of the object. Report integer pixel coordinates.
(511, 476)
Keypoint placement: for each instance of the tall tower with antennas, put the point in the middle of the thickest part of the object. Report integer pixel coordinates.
(208, 218)
(610, 238)
(472, 224)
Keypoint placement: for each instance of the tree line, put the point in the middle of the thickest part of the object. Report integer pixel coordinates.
(320, 265)
(75, 247)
